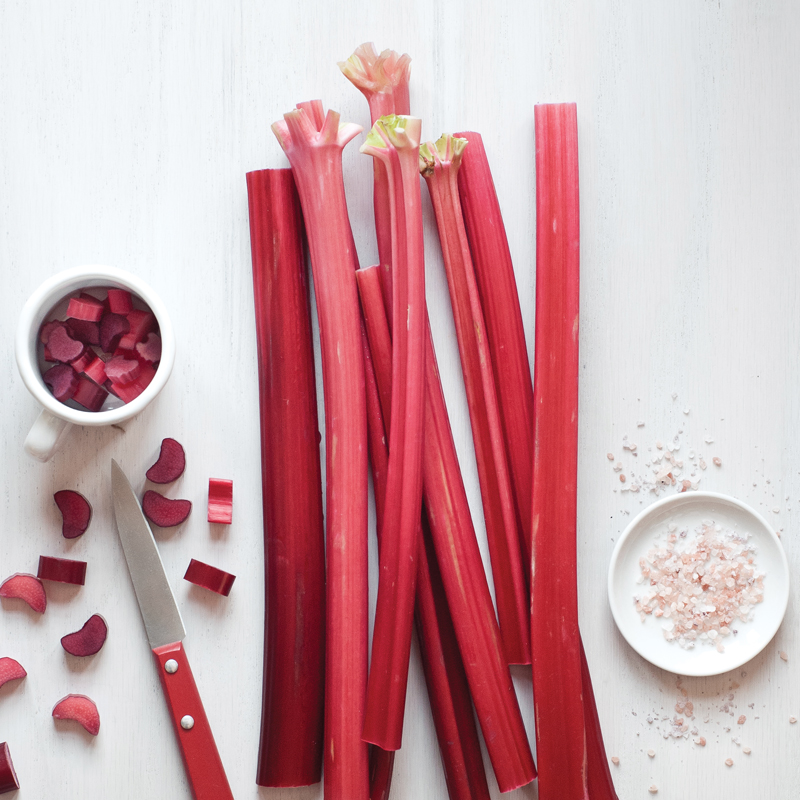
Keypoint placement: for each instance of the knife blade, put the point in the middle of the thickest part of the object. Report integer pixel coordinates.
(165, 632)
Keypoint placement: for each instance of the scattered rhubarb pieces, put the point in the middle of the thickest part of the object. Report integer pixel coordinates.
(130, 391)
(62, 347)
(121, 370)
(89, 394)
(25, 587)
(220, 501)
(89, 639)
(62, 570)
(290, 746)
(150, 349)
(96, 370)
(62, 380)
(10, 670)
(211, 578)
(76, 512)
(170, 464)
(313, 143)
(8, 777)
(81, 709)
(112, 328)
(86, 308)
(120, 301)
(163, 511)
(80, 329)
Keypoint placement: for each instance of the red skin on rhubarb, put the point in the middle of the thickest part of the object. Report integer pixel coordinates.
(8, 777)
(81, 709)
(211, 578)
(164, 511)
(62, 570)
(62, 380)
(62, 346)
(439, 165)
(89, 639)
(130, 391)
(120, 301)
(557, 682)
(463, 576)
(89, 394)
(10, 670)
(25, 587)
(290, 748)
(86, 308)
(313, 144)
(170, 464)
(220, 501)
(76, 512)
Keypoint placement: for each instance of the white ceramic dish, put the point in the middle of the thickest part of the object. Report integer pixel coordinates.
(647, 637)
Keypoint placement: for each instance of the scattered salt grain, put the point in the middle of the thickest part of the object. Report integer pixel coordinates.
(651, 753)
(728, 762)
(792, 720)
(776, 510)
(701, 741)
(660, 445)
(615, 760)
(653, 789)
(784, 655)
(742, 719)
(622, 479)
(618, 466)
(717, 461)
(686, 410)
(746, 751)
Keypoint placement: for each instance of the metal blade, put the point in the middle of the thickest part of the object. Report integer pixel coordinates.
(162, 619)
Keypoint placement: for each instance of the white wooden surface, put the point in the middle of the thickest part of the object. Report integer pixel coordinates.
(126, 129)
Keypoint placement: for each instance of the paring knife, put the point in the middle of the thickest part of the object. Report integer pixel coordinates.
(165, 631)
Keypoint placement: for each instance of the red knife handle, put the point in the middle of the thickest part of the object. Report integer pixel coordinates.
(198, 749)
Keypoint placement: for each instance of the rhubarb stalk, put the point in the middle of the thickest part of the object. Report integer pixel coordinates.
(313, 143)
(557, 681)
(462, 573)
(394, 140)
(439, 164)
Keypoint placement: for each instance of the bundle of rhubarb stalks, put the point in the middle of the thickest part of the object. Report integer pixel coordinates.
(325, 698)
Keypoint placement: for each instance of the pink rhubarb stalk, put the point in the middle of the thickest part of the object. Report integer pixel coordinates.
(394, 140)
(313, 143)
(439, 164)
(557, 681)
(448, 691)
(290, 751)
(462, 573)
(500, 303)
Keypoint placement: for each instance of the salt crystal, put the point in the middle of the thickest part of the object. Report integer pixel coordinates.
(728, 762)
(784, 655)
(686, 410)
(640, 424)
(651, 753)
(742, 719)
(660, 445)
(610, 456)
(792, 720)
(746, 751)
(653, 789)
(701, 741)
(615, 760)
(717, 461)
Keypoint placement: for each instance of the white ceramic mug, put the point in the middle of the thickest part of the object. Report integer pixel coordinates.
(56, 418)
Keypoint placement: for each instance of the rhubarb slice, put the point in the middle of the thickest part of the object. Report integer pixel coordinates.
(313, 143)
(76, 512)
(62, 346)
(8, 776)
(120, 301)
(439, 165)
(86, 308)
(62, 570)
(211, 578)
(112, 328)
(121, 370)
(220, 501)
(23, 586)
(170, 464)
(130, 391)
(89, 394)
(82, 330)
(81, 709)
(89, 639)
(96, 370)
(10, 670)
(163, 511)
(62, 380)
(150, 349)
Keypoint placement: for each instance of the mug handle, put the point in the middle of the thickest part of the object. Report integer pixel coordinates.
(46, 435)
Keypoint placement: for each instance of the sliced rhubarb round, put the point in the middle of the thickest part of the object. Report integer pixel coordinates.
(171, 463)
(211, 578)
(10, 670)
(81, 709)
(25, 587)
(163, 511)
(62, 380)
(62, 570)
(8, 777)
(89, 639)
(76, 511)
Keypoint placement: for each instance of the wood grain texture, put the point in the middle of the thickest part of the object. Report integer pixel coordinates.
(125, 134)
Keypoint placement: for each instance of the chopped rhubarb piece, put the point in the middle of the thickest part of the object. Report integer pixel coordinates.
(211, 578)
(81, 709)
(112, 328)
(171, 463)
(62, 570)
(96, 370)
(85, 307)
(120, 370)
(10, 670)
(76, 512)
(84, 331)
(62, 380)
(89, 639)
(62, 346)
(130, 391)
(84, 359)
(8, 777)
(150, 349)
(163, 511)
(25, 587)
(142, 323)
(120, 301)
(89, 394)
(47, 328)
(48, 356)
(220, 501)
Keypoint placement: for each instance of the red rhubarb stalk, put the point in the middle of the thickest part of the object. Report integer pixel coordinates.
(395, 141)
(220, 501)
(500, 303)
(448, 691)
(215, 580)
(313, 144)
(8, 777)
(463, 576)
(557, 682)
(439, 164)
(290, 752)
